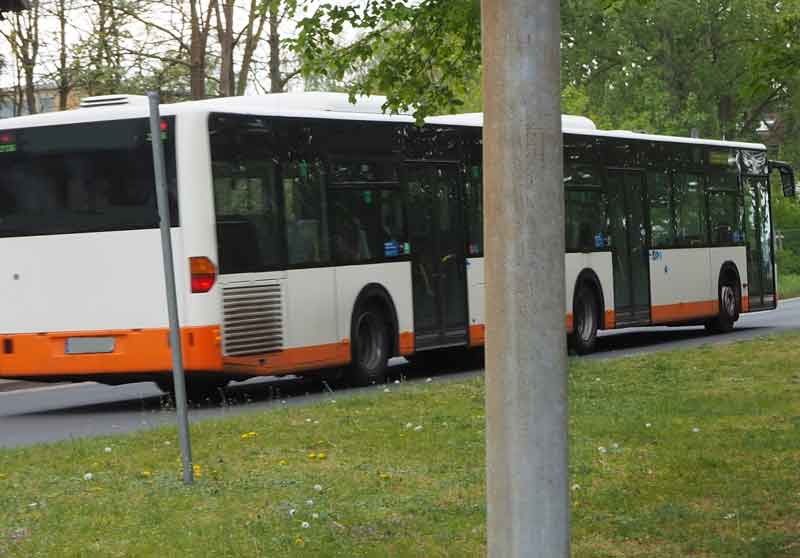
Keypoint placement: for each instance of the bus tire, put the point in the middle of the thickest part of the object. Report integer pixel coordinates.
(371, 343)
(728, 308)
(585, 321)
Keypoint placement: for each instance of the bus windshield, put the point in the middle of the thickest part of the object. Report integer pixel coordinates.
(78, 178)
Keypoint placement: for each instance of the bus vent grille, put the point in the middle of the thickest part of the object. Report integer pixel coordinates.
(252, 319)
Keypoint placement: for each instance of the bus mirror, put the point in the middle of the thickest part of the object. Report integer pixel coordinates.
(787, 178)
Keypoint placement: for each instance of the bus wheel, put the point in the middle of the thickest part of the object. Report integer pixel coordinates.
(370, 346)
(586, 321)
(728, 309)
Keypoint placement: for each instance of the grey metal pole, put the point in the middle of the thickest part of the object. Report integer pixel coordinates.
(178, 378)
(526, 382)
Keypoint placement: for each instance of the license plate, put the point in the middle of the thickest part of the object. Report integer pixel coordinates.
(89, 345)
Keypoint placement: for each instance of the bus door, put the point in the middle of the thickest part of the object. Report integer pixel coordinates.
(758, 229)
(629, 247)
(436, 233)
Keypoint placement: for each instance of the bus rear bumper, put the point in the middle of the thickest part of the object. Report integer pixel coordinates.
(85, 353)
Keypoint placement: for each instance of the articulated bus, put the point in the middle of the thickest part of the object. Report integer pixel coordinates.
(312, 234)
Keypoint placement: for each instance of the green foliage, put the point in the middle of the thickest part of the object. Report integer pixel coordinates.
(424, 57)
(788, 285)
(664, 67)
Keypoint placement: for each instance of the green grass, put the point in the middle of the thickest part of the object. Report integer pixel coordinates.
(788, 286)
(659, 489)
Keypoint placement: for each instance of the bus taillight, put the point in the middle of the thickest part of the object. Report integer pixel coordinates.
(204, 274)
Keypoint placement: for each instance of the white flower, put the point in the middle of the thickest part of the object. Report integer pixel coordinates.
(309, 502)
(88, 477)
(318, 487)
(615, 445)
(647, 425)
(333, 401)
(308, 420)
(417, 428)
(314, 515)
(730, 515)
(316, 422)
(292, 512)
(409, 425)
(601, 449)
(33, 505)
(387, 390)
(167, 443)
(107, 450)
(597, 379)
(576, 487)
(429, 380)
(305, 525)
(695, 430)
(397, 381)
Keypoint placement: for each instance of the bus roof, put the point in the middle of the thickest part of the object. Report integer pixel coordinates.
(310, 105)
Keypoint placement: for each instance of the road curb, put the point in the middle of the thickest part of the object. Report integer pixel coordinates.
(14, 385)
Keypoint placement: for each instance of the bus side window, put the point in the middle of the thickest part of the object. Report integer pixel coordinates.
(726, 211)
(662, 224)
(305, 207)
(473, 186)
(690, 209)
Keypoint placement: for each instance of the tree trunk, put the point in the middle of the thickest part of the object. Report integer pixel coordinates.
(274, 40)
(201, 25)
(30, 89)
(63, 77)
(225, 28)
(259, 14)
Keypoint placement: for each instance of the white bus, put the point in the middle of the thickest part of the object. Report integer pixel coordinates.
(311, 234)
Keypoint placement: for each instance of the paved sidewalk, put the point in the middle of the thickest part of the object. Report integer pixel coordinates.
(11, 385)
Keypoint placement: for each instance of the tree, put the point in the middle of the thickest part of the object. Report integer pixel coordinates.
(424, 57)
(23, 37)
(664, 66)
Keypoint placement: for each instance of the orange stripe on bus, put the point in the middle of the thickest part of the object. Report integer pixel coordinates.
(745, 303)
(610, 321)
(406, 343)
(135, 350)
(477, 335)
(290, 360)
(668, 313)
(298, 359)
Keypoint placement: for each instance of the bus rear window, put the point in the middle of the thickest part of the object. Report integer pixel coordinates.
(79, 178)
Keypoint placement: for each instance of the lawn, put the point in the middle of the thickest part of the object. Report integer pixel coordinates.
(687, 453)
(788, 286)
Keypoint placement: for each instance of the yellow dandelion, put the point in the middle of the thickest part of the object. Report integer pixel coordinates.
(322, 456)
(198, 471)
(299, 541)
(248, 435)
(312, 455)
(385, 476)
(283, 462)
(147, 474)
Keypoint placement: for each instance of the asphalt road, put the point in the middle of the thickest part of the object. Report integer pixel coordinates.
(47, 414)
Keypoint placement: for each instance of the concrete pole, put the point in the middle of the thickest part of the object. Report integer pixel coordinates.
(178, 378)
(526, 382)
